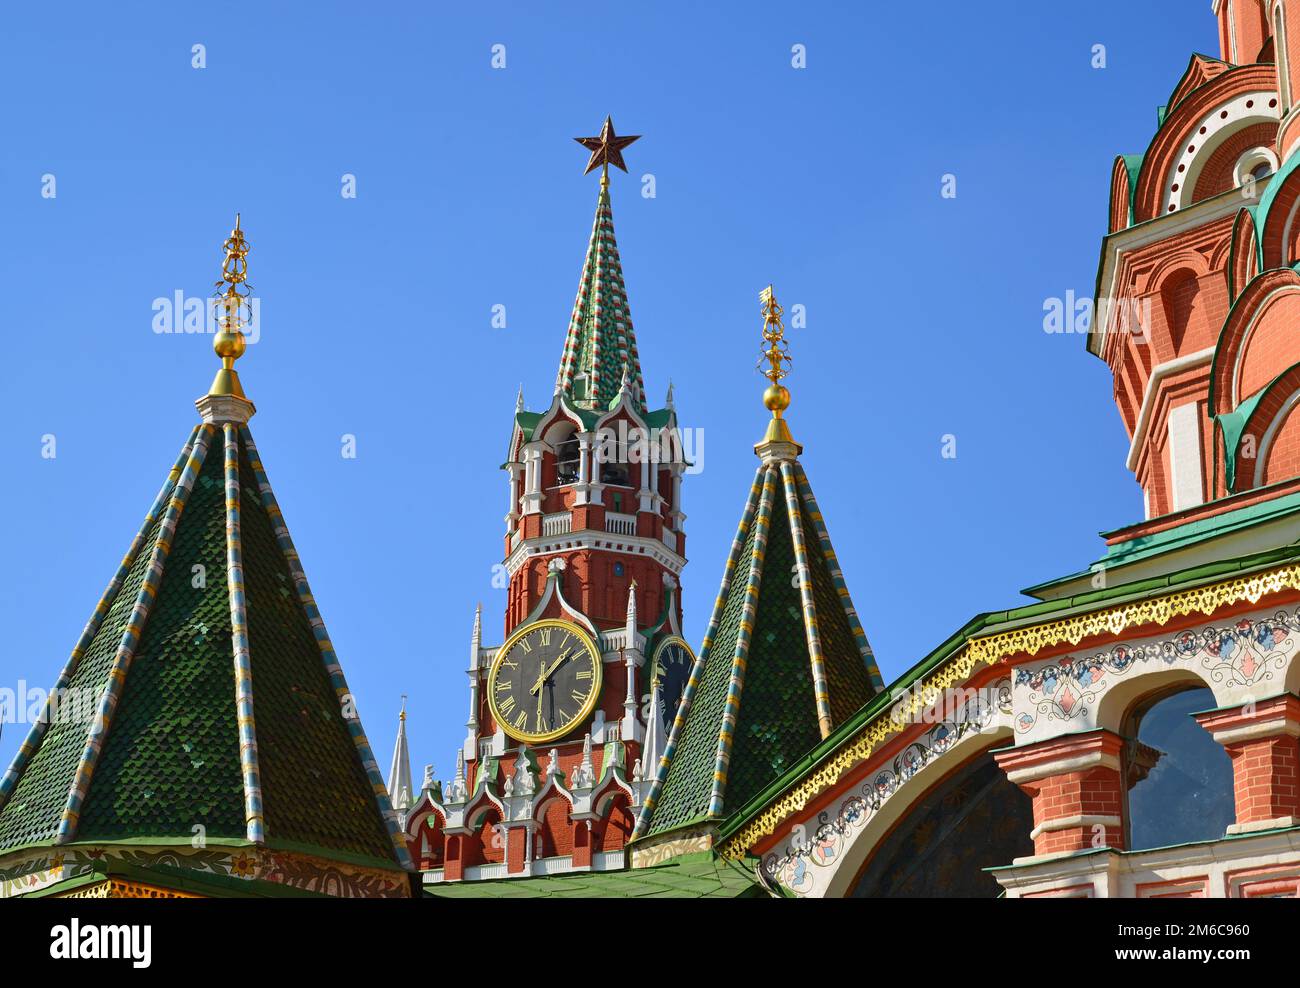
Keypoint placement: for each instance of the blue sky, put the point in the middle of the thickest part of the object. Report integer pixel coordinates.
(924, 314)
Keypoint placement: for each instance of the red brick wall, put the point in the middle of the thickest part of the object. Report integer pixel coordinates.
(1095, 792)
(1273, 346)
(1249, 26)
(1265, 778)
(616, 828)
(555, 829)
(1284, 451)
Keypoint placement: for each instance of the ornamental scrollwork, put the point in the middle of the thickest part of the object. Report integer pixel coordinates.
(1246, 653)
(791, 867)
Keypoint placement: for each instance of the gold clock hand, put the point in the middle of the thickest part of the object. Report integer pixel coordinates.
(548, 673)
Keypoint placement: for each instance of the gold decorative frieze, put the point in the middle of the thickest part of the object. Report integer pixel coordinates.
(979, 652)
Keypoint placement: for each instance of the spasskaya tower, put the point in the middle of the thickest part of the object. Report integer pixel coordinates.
(569, 716)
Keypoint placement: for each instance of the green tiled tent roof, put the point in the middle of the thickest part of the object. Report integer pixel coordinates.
(217, 690)
(784, 660)
(600, 343)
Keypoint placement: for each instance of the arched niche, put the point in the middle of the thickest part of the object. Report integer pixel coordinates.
(1178, 778)
(972, 820)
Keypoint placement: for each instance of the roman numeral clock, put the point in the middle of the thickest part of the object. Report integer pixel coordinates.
(545, 681)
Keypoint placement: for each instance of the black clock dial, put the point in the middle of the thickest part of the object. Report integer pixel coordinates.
(673, 660)
(545, 681)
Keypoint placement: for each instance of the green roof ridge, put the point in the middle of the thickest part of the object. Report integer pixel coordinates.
(210, 593)
(783, 660)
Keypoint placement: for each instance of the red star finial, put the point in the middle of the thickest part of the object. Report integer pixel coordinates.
(607, 149)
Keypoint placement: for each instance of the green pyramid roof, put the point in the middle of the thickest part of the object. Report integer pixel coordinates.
(217, 699)
(600, 343)
(784, 659)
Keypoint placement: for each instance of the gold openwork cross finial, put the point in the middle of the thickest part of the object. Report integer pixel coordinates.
(606, 150)
(232, 295)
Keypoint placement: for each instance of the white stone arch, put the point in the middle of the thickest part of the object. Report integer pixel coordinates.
(483, 804)
(1119, 701)
(863, 814)
(856, 855)
(1185, 169)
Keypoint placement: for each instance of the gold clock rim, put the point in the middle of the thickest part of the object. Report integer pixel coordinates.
(586, 638)
(671, 639)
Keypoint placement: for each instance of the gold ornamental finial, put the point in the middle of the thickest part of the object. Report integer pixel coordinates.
(776, 352)
(229, 342)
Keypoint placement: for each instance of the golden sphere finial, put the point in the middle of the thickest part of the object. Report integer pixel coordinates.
(776, 398)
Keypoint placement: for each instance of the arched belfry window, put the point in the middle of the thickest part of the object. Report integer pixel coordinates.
(1179, 778)
(612, 454)
(568, 453)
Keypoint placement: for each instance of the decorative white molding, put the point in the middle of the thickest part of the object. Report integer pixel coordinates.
(639, 545)
(1215, 869)
(1070, 822)
(225, 408)
(1186, 168)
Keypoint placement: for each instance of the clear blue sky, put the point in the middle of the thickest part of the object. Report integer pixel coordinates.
(924, 314)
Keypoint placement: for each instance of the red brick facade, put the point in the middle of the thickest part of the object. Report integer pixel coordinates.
(1075, 785)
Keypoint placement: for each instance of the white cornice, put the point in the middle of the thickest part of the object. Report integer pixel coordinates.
(636, 545)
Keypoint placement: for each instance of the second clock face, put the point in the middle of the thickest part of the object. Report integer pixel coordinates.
(673, 661)
(544, 681)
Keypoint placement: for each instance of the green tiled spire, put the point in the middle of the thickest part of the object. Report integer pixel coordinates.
(217, 701)
(600, 346)
(784, 658)
(203, 704)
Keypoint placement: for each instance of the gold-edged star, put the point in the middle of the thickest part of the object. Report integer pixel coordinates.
(607, 149)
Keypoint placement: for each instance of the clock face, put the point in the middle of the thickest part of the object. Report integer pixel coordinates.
(545, 681)
(673, 660)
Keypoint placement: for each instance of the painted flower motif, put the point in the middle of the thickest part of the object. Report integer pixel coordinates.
(1067, 701)
(56, 862)
(243, 866)
(1222, 645)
